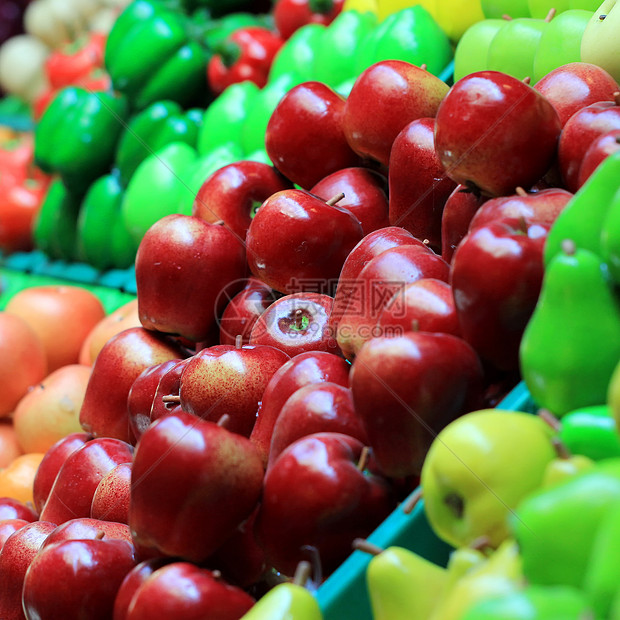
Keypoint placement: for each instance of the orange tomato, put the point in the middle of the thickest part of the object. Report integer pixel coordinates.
(61, 315)
(22, 360)
(16, 480)
(51, 410)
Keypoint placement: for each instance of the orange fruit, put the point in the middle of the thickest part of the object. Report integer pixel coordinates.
(9, 445)
(16, 480)
(22, 360)
(61, 315)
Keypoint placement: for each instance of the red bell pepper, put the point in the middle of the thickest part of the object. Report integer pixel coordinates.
(289, 15)
(65, 67)
(246, 54)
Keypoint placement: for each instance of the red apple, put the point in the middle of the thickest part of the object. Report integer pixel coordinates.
(183, 590)
(18, 551)
(51, 463)
(576, 85)
(419, 186)
(297, 242)
(111, 498)
(426, 305)
(598, 150)
(303, 369)
(304, 137)
(296, 323)
(316, 408)
(384, 98)
(496, 133)
(104, 410)
(541, 207)
(407, 388)
(229, 380)
(365, 195)
(193, 482)
(233, 193)
(383, 277)
(315, 495)
(8, 527)
(580, 130)
(243, 310)
(11, 508)
(458, 212)
(183, 267)
(494, 309)
(169, 386)
(76, 579)
(71, 495)
(87, 528)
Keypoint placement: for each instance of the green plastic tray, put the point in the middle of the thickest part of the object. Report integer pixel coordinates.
(344, 593)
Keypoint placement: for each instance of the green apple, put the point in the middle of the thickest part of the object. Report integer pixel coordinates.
(600, 43)
(499, 8)
(540, 8)
(562, 468)
(472, 50)
(477, 471)
(560, 42)
(514, 47)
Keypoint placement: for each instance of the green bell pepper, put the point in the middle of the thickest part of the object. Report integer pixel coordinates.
(411, 35)
(153, 128)
(102, 239)
(339, 46)
(151, 56)
(223, 120)
(263, 105)
(54, 230)
(297, 56)
(77, 135)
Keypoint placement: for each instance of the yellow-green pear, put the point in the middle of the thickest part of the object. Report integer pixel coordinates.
(478, 469)
(600, 42)
(403, 585)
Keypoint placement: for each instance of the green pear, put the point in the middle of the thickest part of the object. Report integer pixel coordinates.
(610, 236)
(600, 43)
(534, 603)
(284, 602)
(571, 343)
(556, 527)
(601, 577)
(476, 472)
(593, 431)
(403, 585)
(499, 575)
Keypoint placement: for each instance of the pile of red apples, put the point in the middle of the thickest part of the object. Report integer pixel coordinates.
(305, 335)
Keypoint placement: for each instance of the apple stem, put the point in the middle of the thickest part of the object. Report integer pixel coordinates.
(602, 17)
(520, 191)
(218, 223)
(507, 17)
(526, 80)
(550, 15)
(561, 449)
(569, 247)
(334, 199)
(415, 325)
(617, 97)
(224, 420)
(548, 418)
(412, 501)
(361, 544)
(99, 535)
(216, 574)
(238, 341)
(363, 460)
(423, 66)
(171, 398)
(302, 573)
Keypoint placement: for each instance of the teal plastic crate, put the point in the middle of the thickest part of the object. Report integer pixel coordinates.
(344, 593)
